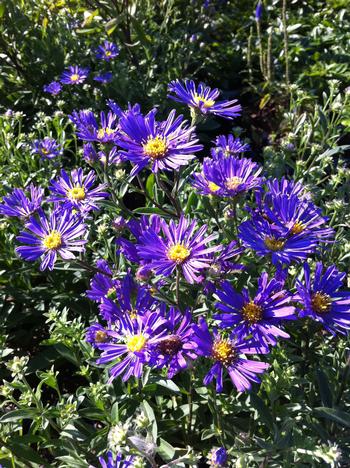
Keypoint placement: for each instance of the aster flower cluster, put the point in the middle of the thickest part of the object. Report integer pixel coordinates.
(176, 291)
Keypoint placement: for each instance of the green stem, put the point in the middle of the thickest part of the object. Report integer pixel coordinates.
(285, 40)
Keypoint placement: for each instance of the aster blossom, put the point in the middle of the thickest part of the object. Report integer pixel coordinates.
(107, 51)
(75, 191)
(59, 235)
(47, 148)
(104, 77)
(203, 99)
(289, 230)
(227, 176)
(53, 88)
(217, 457)
(229, 146)
(117, 461)
(260, 316)
(322, 300)
(163, 145)
(177, 348)
(229, 354)
(182, 246)
(74, 75)
(22, 205)
(88, 128)
(128, 348)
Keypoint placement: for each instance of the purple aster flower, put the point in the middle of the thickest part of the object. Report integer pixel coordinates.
(135, 109)
(89, 130)
(203, 99)
(217, 457)
(107, 51)
(96, 334)
(227, 176)
(175, 349)
(321, 299)
(89, 153)
(165, 145)
(260, 316)
(128, 349)
(102, 284)
(116, 462)
(48, 148)
(53, 88)
(20, 205)
(104, 77)
(61, 235)
(76, 192)
(180, 246)
(127, 298)
(229, 146)
(259, 11)
(229, 354)
(289, 230)
(74, 75)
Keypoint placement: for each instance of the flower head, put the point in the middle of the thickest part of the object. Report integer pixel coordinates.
(89, 130)
(203, 99)
(229, 354)
(227, 176)
(128, 348)
(217, 457)
(53, 88)
(104, 77)
(76, 191)
(107, 51)
(179, 245)
(175, 349)
(163, 145)
(18, 204)
(259, 316)
(289, 229)
(321, 299)
(259, 11)
(60, 234)
(48, 148)
(229, 146)
(74, 75)
(116, 462)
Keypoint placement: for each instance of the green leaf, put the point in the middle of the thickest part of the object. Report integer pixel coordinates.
(27, 454)
(17, 415)
(264, 101)
(324, 388)
(148, 210)
(263, 411)
(336, 415)
(165, 450)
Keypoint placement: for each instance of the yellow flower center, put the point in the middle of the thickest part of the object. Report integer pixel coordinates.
(100, 336)
(274, 244)
(74, 77)
(105, 131)
(53, 240)
(223, 351)
(213, 187)
(108, 53)
(201, 100)
(178, 253)
(297, 228)
(44, 151)
(252, 312)
(233, 182)
(321, 303)
(136, 343)
(77, 193)
(155, 148)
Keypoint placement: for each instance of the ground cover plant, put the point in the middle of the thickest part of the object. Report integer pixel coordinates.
(174, 242)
